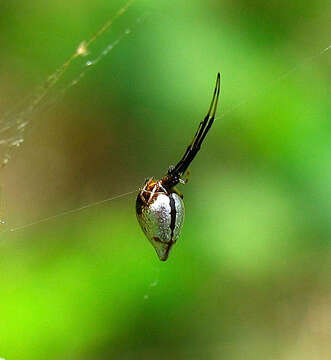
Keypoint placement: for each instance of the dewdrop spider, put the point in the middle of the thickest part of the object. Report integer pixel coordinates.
(159, 206)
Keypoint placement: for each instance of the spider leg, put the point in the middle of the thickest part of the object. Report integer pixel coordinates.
(176, 191)
(141, 193)
(200, 134)
(151, 195)
(162, 187)
(187, 176)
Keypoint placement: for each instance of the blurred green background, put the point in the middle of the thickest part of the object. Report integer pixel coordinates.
(250, 275)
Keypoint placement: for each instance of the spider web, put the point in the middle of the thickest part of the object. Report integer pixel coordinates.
(13, 124)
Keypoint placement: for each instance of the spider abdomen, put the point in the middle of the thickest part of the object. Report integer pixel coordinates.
(161, 219)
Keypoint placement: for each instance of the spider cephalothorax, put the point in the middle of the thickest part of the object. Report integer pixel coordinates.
(159, 206)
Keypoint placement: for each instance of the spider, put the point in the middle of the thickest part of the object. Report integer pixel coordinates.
(159, 205)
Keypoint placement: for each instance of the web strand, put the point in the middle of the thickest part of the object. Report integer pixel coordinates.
(18, 120)
(91, 62)
(68, 212)
(280, 78)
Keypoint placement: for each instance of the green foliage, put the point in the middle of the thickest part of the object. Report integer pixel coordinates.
(250, 275)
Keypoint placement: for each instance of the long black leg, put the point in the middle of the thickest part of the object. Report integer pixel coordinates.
(200, 135)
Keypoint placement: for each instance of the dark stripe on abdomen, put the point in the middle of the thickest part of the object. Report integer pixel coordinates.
(172, 215)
